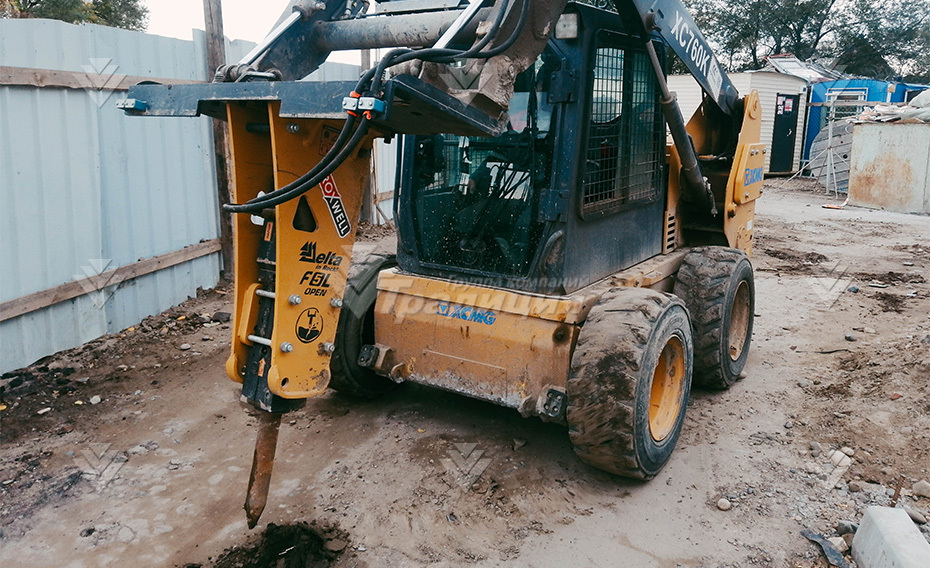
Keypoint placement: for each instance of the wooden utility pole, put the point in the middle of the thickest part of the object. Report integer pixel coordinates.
(216, 56)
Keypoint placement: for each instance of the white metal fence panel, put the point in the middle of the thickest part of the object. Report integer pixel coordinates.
(84, 189)
(889, 167)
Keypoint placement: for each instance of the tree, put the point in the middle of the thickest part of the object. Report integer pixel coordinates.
(71, 11)
(750, 31)
(875, 38)
(885, 39)
(126, 14)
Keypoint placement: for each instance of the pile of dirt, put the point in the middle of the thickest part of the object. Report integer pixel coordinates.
(795, 262)
(28, 485)
(915, 249)
(369, 232)
(283, 546)
(889, 379)
(52, 393)
(891, 302)
(891, 277)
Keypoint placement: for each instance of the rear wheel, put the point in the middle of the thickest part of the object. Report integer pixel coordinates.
(630, 382)
(357, 328)
(716, 285)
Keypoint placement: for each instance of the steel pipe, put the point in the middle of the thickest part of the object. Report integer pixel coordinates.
(696, 186)
(396, 30)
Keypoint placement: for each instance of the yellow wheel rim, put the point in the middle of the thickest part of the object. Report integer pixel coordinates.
(739, 321)
(668, 383)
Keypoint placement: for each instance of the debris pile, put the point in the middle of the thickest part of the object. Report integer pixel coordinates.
(915, 112)
(55, 389)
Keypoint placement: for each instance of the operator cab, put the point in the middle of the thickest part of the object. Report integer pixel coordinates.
(476, 200)
(520, 210)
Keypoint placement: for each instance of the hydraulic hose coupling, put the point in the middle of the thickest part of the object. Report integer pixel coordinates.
(355, 103)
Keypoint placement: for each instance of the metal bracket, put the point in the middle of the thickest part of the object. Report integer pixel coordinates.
(563, 86)
(376, 357)
(363, 104)
(132, 105)
(554, 405)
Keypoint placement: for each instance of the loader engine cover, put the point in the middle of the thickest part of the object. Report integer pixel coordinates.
(506, 347)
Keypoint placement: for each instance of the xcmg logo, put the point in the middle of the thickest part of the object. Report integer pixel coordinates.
(752, 176)
(466, 313)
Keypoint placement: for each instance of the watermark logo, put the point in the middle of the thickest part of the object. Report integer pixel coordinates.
(830, 284)
(100, 462)
(465, 464)
(100, 275)
(100, 79)
(462, 77)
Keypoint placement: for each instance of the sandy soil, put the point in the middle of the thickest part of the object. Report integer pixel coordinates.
(372, 483)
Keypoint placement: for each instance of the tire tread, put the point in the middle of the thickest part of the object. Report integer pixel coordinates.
(602, 386)
(702, 283)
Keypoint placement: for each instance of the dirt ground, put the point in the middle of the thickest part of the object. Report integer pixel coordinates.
(155, 472)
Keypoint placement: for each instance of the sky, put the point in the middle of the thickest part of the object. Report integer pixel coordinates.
(250, 20)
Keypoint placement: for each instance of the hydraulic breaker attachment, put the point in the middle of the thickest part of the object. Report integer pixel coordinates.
(292, 257)
(292, 262)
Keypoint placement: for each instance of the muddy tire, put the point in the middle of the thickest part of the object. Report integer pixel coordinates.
(357, 328)
(630, 381)
(716, 285)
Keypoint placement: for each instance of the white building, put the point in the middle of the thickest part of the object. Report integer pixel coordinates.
(784, 108)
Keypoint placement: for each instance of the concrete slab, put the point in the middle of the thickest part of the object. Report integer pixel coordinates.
(887, 538)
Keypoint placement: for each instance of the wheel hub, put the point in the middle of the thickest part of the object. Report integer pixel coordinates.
(667, 387)
(739, 321)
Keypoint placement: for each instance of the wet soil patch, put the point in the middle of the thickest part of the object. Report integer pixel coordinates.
(891, 302)
(891, 277)
(283, 546)
(795, 262)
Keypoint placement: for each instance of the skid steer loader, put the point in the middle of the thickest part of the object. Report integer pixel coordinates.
(556, 255)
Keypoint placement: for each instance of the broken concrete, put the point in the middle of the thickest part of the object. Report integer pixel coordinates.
(887, 537)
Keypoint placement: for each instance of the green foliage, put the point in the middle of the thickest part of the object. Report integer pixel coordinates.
(126, 14)
(750, 31)
(71, 11)
(884, 39)
(874, 38)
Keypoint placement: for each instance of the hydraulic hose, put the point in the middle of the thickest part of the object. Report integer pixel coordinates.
(274, 199)
(299, 182)
(256, 205)
(348, 140)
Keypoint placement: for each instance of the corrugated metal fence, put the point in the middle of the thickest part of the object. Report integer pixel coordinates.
(86, 193)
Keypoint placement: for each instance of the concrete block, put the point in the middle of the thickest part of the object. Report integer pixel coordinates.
(887, 538)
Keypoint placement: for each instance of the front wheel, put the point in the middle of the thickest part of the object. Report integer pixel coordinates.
(357, 328)
(716, 284)
(630, 382)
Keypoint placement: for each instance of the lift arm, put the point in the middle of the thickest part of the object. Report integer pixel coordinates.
(491, 42)
(672, 21)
